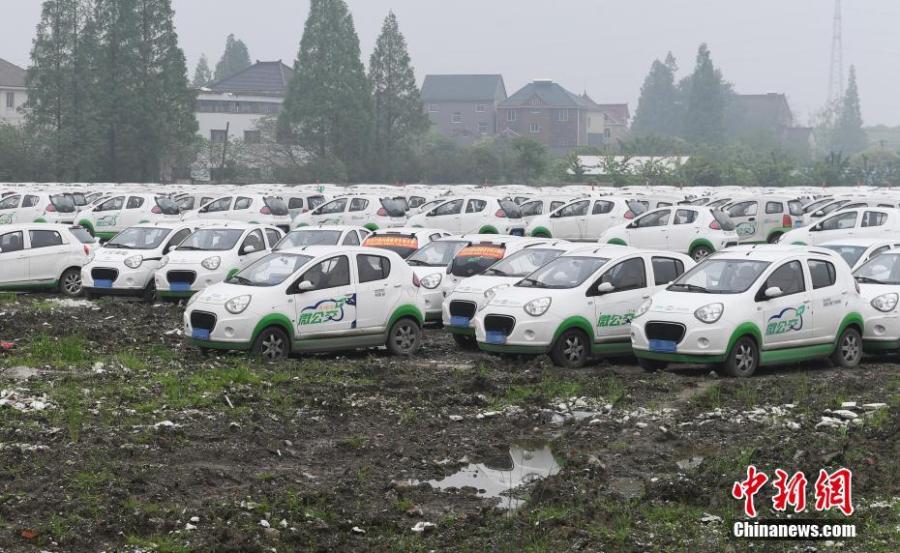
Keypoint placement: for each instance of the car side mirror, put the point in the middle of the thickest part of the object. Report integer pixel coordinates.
(248, 249)
(305, 286)
(605, 288)
(773, 292)
(818, 214)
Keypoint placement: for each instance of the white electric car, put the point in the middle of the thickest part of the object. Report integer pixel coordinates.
(752, 306)
(473, 214)
(586, 218)
(256, 209)
(879, 283)
(369, 211)
(210, 255)
(38, 256)
(472, 294)
(115, 214)
(324, 235)
(310, 299)
(38, 207)
(404, 241)
(696, 231)
(857, 251)
(762, 219)
(127, 264)
(578, 305)
(871, 222)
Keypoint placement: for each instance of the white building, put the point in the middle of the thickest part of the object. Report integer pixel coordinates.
(13, 93)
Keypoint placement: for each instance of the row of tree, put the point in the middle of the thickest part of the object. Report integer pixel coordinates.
(236, 58)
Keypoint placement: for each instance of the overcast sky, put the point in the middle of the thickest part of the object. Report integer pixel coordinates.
(602, 46)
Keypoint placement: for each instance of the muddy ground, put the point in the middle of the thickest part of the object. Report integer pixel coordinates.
(116, 436)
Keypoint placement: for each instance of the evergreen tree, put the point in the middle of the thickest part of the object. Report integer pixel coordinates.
(849, 136)
(657, 107)
(235, 58)
(707, 97)
(398, 114)
(202, 74)
(328, 109)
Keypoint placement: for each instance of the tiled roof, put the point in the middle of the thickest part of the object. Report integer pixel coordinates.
(263, 77)
(616, 112)
(462, 88)
(11, 74)
(550, 95)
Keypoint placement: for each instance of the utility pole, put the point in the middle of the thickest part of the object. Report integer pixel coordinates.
(836, 79)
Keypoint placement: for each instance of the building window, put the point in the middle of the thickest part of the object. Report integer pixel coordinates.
(252, 137)
(481, 108)
(512, 115)
(535, 128)
(433, 108)
(607, 133)
(562, 115)
(483, 127)
(456, 118)
(218, 136)
(10, 100)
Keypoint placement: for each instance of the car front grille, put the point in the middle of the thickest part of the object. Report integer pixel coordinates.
(203, 320)
(462, 309)
(517, 232)
(730, 244)
(499, 323)
(673, 332)
(185, 277)
(104, 274)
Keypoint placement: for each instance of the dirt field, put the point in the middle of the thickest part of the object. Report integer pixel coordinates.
(116, 436)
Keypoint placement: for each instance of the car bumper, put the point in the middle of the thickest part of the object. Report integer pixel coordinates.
(202, 280)
(882, 330)
(127, 281)
(701, 343)
(460, 325)
(529, 335)
(229, 332)
(432, 301)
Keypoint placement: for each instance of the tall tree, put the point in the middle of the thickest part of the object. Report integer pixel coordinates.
(707, 97)
(202, 74)
(657, 110)
(849, 136)
(398, 114)
(235, 58)
(328, 108)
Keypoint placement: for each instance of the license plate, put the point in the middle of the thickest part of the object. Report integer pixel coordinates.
(200, 334)
(461, 322)
(517, 232)
(180, 287)
(103, 283)
(497, 338)
(663, 346)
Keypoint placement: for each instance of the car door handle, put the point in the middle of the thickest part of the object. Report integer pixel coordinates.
(396, 286)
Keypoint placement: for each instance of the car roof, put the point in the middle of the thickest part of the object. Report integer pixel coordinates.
(409, 230)
(867, 242)
(13, 227)
(317, 251)
(608, 251)
(329, 227)
(770, 252)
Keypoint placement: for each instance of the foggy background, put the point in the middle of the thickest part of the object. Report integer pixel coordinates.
(602, 46)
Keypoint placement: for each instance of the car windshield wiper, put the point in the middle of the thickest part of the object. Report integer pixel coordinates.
(691, 288)
(534, 283)
(496, 272)
(869, 280)
(415, 262)
(241, 280)
(187, 248)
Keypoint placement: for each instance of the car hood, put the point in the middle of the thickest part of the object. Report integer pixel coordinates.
(196, 256)
(686, 302)
(482, 283)
(515, 296)
(869, 292)
(108, 255)
(218, 294)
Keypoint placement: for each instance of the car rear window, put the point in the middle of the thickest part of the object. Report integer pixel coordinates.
(313, 202)
(403, 245)
(63, 203)
(394, 207)
(276, 205)
(475, 259)
(724, 220)
(82, 235)
(512, 209)
(637, 207)
(795, 207)
(167, 206)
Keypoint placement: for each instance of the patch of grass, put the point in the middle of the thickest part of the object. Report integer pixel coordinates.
(403, 505)
(747, 395)
(72, 405)
(611, 389)
(354, 442)
(159, 544)
(711, 398)
(130, 360)
(546, 390)
(879, 419)
(7, 297)
(57, 352)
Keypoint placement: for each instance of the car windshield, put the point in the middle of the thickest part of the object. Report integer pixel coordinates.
(884, 269)
(403, 245)
(831, 207)
(720, 276)
(436, 254)
(271, 270)
(219, 239)
(563, 272)
(309, 237)
(523, 263)
(276, 205)
(63, 203)
(795, 207)
(851, 254)
(812, 206)
(475, 259)
(167, 206)
(139, 238)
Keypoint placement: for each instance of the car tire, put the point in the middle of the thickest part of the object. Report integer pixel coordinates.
(700, 253)
(465, 342)
(571, 349)
(272, 345)
(743, 359)
(652, 365)
(848, 351)
(70, 282)
(404, 337)
(150, 292)
(773, 238)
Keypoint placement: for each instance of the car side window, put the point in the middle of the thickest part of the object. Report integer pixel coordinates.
(685, 217)
(373, 267)
(242, 203)
(788, 277)
(879, 251)
(475, 206)
(11, 202)
(358, 204)
(177, 239)
(134, 202)
(666, 269)
(295, 203)
(30, 201)
(873, 219)
(12, 242)
(838, 222)
(601, 207)
(273, 235)
(337, 206)
(351, 239)
(331, 273)
(113, 204)
(627, 275)
(449, 208)
(574, 210)
(743, 209)
(774, 207)
(822, 273)
(222, 204)
(655, 219)
(44, 238)
(254, 239)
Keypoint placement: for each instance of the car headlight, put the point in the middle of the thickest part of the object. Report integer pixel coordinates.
(238, 304)
(537, 307)
(885, 302)
(432, 281)
(643, 308)
(134, 261)
(211, 263)
(163, 261)
(491, 292)
(710, 313)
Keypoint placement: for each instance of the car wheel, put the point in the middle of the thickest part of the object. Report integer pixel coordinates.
(848, 352)
(465, 342)
(652, 365)
(701, 252)
(70, 282)
(404, 338)
(150, 292)
(774, 237)
(743, 359)
(272, 345)
(571, 349)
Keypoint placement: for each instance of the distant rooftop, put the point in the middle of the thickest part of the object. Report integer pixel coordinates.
(269, 78)
(550, 94)
(463, 88)
(11, 74)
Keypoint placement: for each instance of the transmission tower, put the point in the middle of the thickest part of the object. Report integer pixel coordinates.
(836, 79)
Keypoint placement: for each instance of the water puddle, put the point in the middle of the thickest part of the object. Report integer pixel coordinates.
(497, 482)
